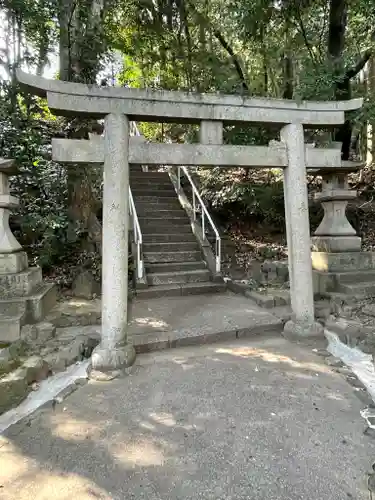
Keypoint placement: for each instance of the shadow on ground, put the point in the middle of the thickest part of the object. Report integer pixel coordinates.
(261, 419)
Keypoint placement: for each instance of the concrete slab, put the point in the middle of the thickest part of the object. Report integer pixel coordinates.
(259, 419)
(176, 321)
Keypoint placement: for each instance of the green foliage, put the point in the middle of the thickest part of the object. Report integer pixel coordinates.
(238, 193)
(41, 221)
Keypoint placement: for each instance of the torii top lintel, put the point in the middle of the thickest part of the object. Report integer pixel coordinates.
(77, 99)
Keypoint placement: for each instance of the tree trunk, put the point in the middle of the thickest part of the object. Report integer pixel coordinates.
(79, 31)
(370, 142)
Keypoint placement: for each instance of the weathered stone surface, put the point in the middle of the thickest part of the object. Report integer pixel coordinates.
(19, 284)
(343, 261)
(18, 348)
(369, 309)
(10, 327)
(263, 300)
(297, 226)
(334, 362)
(79, 348)
(75, 312)
(13, 262)
(294, 330)
(280, 297)
(38, 333)
(112, 361)
(35, 305)
(85, 286)
(36, 368)
(13, 389)
(77, 98)
(336, 243)
(323, 309)
(7, 363)
(45, 331)
(350, 332)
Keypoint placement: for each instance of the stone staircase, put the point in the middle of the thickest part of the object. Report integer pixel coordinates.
(173, 258)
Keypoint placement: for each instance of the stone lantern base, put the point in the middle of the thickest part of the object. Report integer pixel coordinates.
(339, 266)
(348, 273)
(24, 298)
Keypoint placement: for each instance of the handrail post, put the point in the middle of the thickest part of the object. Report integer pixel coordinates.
(205, 214)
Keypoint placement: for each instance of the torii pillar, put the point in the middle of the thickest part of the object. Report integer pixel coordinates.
(114, 352)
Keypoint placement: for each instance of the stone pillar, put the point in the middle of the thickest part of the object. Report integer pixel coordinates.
(298, 235)
(335, 233)
(12, 258)
(211, 132)
(114, 352)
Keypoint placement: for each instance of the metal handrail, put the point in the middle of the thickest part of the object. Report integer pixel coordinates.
(138, 240)
(205, 213)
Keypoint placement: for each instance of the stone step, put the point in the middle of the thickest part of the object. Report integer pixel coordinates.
(150, 183)
(149, 208)
(168, 237)
(159, 193)
(174, 277)
(269, 299)
(361, 289)
(355, 276)
(37, 303)
(135, 175)
(158, 257)
(182, 246)
(162, 214)
(154, 199)
(175, 267)
(170, 204)
(175, 290)
(164, 224)
(164, 227)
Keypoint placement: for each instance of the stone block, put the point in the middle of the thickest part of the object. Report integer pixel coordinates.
(263, 300)
(13, 389)
(349, 332)
(280, 297)
(7, 363)
(85, 286)
(13, 262)
(36, 369)
(282, 270)
(41, 302)
(36, 305)
(20, 284)
(296, 330)
(18, 349)
(38, 333)
(323, 282)
(344, 261)
(369, 309)
(323, 309)
(81, 347)
(10, 328)
(336, 243)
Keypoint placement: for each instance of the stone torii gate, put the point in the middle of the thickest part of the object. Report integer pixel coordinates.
(119, 105)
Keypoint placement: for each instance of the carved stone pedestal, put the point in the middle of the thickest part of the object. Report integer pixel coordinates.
(335, 233)
(24, 298)
(340, 268)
